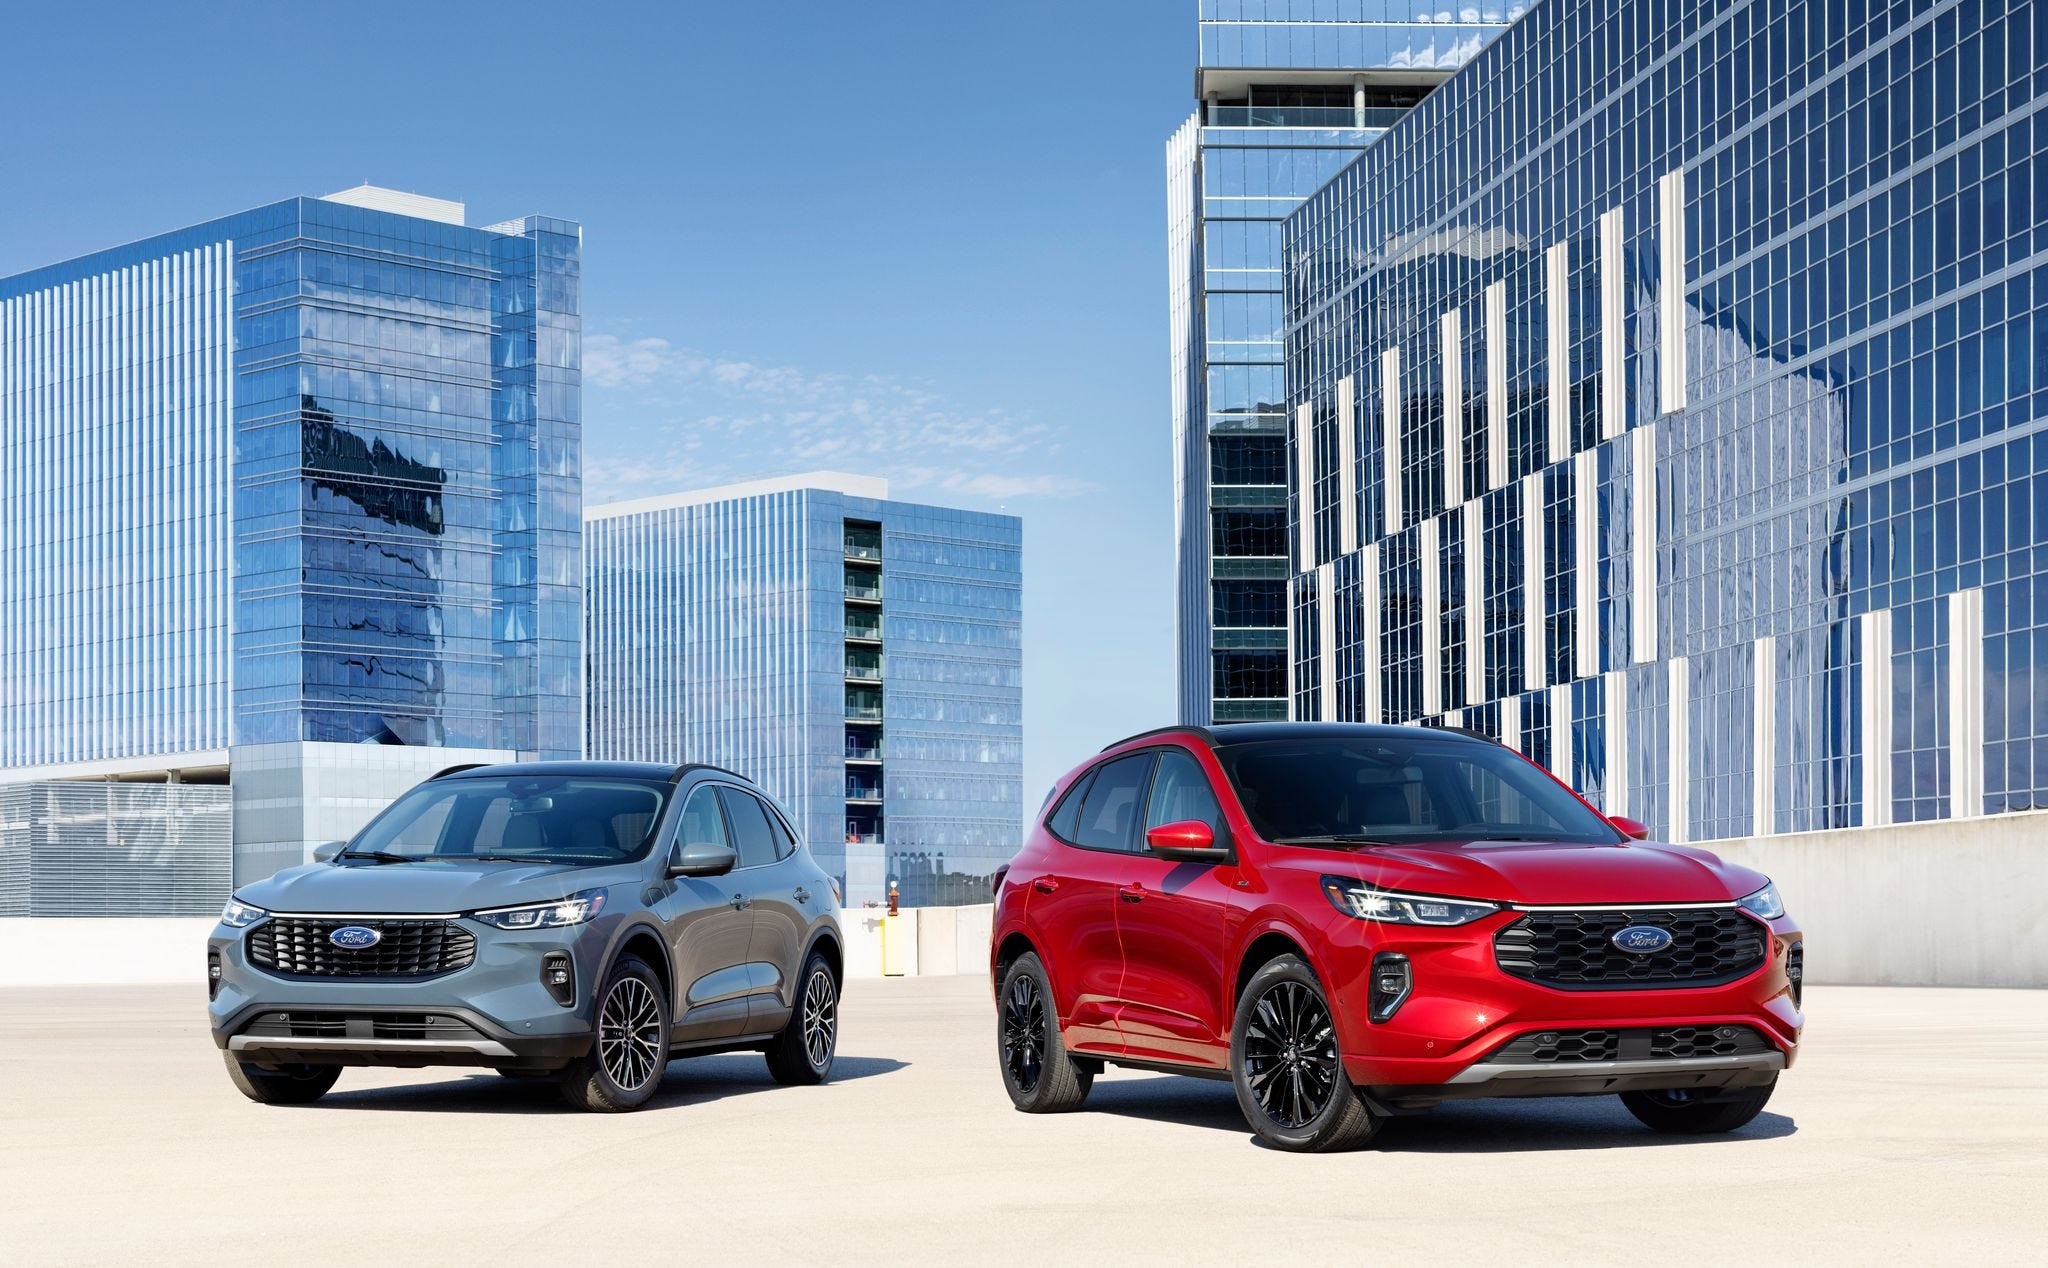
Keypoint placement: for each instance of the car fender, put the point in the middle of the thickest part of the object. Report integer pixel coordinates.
(1286, 923)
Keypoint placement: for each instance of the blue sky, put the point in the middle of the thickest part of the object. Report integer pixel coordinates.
(920, 239)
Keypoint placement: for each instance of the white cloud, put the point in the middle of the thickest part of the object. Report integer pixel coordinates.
(661, 417)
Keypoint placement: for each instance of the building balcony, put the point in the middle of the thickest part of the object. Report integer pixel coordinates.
(856, 836)
(858, 553)
(863, 594)
(860, 790)
(863, 627)
(1304, 116)
(863, 713)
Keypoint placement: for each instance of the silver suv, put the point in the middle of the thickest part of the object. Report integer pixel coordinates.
(581, 921)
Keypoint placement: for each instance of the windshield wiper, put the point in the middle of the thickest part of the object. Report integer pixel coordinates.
(379, 856)
(1331, 838)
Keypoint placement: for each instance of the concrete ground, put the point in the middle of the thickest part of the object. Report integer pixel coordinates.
(1914, 1127)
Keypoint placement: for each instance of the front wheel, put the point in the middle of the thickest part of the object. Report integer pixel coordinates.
(286, 1085)
(803, 1052)
(626, 1061)
(1698, 1111)
(1037, 1072)
(1285, 1066)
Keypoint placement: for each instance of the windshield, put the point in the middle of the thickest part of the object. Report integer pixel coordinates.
(521, 818)
(1320, 791)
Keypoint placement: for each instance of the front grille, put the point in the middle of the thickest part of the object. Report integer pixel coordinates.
(324, 1024)
(1574, 950)
(1565, 1047)
(297, 946)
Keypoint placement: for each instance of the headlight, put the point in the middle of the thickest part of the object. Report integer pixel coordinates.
(1764, 902)
(239, 915)
(1354, 897)
(573, 910)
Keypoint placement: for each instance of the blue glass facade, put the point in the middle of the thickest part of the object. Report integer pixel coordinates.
(1289, 91)
(308, 473)
(1667, 400)
(859, 657)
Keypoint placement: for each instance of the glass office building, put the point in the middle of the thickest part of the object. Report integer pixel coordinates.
(860, 658)
(1668, 396)
(293, 505)
(1287, 92)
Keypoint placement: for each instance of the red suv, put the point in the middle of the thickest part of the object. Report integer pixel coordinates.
(1350, 922)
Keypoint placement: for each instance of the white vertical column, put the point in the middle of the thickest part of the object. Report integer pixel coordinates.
(1681, 749)
(1875, 690)
(1585, 564)
(1966, 704)
(1511, 722)
(1558, 333)
(1613, 319)
(1496, 385)
(1561, 734)
(1430, 559)
(1614, 778)
(1390, 436)
(1371, 621)
(1475, 602)
(1451, 347)
(1305, 482)
(1643, 545)
(1294, 641)
(1454, 717)
(1326, 642)
(1671, 291)
(1533, 600)
(1763, 739)
(1347, 469)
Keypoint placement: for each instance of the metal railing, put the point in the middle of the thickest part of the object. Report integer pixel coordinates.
(859, 791)
(1304, 116)
(862, 592)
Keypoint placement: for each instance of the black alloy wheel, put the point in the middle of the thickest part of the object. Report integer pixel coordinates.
(1037, 1072)
(1290, 1054)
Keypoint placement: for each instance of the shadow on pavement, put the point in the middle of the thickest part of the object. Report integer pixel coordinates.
(1505, 1125)
(690, 1081)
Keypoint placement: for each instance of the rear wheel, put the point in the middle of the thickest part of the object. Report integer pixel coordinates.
(1037, 1072)
(803, 1052)
(286, 1085)
(1698, 1111)
(626, 1061)
(1285, 1066)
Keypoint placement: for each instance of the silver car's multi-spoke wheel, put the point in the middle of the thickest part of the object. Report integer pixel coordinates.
(629, 1038)
(1024, 1032)
(1290, 1054)
(821, 1017)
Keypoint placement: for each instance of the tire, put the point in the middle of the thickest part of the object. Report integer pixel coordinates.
(1701, 1112)
(802, 1054)
(1285, 1065)
(1037, 1072)
(629, 1053)
(289, 1085)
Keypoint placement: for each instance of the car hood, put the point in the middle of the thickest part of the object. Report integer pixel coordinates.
(1552, 873)
(431, 887)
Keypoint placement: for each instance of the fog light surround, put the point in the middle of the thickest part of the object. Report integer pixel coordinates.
(1795, 970)
(212, 974)
(1392, 982)
(559, 976)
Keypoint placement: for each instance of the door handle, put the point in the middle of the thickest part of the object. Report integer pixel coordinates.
(1045, 884)
(1132, 893)
(803, 895)
(740, 902)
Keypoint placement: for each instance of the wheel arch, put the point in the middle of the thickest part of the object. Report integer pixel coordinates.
(1264, 943)
(643, 940)
(826, 942)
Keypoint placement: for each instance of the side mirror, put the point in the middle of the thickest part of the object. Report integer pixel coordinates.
(1632, 828)
(702, 858)
(1186, 841)
(326, 850)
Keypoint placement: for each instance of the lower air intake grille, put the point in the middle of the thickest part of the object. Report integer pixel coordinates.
(298, 946)
(1674, 1043)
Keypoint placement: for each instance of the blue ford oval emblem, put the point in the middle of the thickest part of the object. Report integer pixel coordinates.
(355, 938)
(1642, 939)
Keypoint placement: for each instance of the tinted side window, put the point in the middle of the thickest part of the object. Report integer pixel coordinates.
(752, 836)
(701, 821)
(1181, 791)
(1069, 813)
(1109, 814)
(785, 844)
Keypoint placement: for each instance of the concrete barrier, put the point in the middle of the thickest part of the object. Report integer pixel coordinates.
(66, 951)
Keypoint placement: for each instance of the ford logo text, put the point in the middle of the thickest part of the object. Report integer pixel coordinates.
(1642, 939)
(361, 938)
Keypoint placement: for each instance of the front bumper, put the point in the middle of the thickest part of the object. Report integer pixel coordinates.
(496, 1011)
(1463, 1010)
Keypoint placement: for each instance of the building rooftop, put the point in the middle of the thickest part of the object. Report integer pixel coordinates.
(858, 486)
(378, 198)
